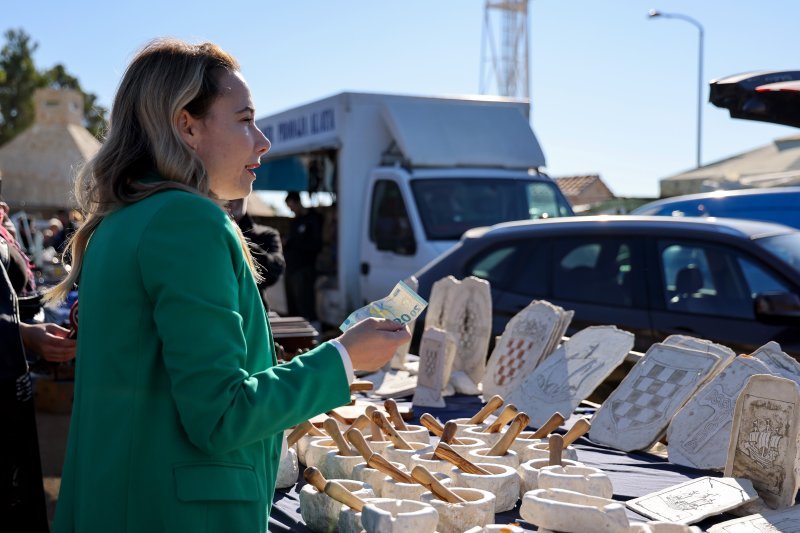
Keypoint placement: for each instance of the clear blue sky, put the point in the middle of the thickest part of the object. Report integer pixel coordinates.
(613, 92)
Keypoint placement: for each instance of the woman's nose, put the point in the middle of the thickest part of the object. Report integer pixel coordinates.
(263, 145)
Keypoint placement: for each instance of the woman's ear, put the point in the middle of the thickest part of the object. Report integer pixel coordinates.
(188, 129)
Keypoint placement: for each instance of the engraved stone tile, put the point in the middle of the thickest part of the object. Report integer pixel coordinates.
(636, 414)
(778, 361)
(694, 500)
(726, 355)
(784, 521)
(436, 354)
(571, 373)
(763, 444)
(468, 317)
(699, 433)
(523, 345)
(440, 291)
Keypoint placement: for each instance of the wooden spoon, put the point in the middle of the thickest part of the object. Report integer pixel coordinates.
(422, 476)
(361, 386)
(300, 430)
(491, 406)
(315, 478)
(509, 412)
(398, 441)
(581, 427)
(555, 421)
(394, 415)
(443, 451)
(379, 463)
(501, 446)
(556, 444)
(449, 434)
(332, 428)
(336, 490)
(359, 442)
(374, 429)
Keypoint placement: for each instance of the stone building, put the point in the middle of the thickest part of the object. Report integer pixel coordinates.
(39, 165)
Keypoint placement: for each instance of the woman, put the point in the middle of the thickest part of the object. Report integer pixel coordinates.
(179, 403)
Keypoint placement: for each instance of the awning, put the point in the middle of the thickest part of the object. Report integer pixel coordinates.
(767, 96)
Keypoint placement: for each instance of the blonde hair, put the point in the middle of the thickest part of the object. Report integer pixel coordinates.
(166, 77)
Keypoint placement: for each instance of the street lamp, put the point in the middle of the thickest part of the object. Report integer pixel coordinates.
(656, 13)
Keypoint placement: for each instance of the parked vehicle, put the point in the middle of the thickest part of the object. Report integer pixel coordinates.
(780, 204)
(734, 282)
(409, 175)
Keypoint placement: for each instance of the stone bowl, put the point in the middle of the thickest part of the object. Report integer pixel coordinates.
(476, 432)
(433, 464)
(541, 450)
(408, 491)
(288, 470)
(404, 456)
(317, 450)
(479, 456)
(415, 434)
(398, 516)
(320, 512)
(372, 477)
(529, 472)
(583, 479)
(469, 443)
(303, 444)
(462, 425)
(350, 519)
(504, 483)
(335, 466)
(499, 528)
(565, 510)
(378, 445)
(520, 443)
(478, 510)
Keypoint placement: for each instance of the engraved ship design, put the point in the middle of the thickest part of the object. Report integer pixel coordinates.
(761, 444)
(689, 501)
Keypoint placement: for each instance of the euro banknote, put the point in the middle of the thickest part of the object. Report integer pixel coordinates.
(403, 305)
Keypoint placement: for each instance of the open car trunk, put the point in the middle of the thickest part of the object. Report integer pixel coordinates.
(768, 96)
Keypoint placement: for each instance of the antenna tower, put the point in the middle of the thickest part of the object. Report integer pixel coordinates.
(505, 33)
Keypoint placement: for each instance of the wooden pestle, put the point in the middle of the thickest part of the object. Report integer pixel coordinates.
(336, 416)
(422, 476)
(336, 490)
(449, 434)
(394, 415)
(556, 445)
(300, 430)
(491, 406)
(509, 412)
(374, 429)
(433, 425)
(361, 386)
(332, 428)
(501, 446)
(378, 462)
(443, 451)
(359, 442)
(581, 427)
(554, 422)
(398, 441)
(315, 478)
(361, 423)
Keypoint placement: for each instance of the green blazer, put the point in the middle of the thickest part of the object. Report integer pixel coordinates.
(179, 401)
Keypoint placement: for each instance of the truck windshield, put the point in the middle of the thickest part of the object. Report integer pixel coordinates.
(449, 207)
(786, 246)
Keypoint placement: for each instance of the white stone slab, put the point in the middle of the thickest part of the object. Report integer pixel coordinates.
(700, 431)
(396, 384)
(784, 521)
(436, 354)
(399, 358)
(778, 361)
(440, 291)
(694, 500)
(763, 445)
(571, 373)
(523, 345)
(636, 414)
(468, 317)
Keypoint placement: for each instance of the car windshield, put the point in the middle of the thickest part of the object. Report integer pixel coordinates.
(450, 207)
(785, 246)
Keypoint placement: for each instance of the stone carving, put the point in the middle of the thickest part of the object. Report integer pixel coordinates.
(571, 373)
(779, 362)
(726, 355)
(763, 444)
(694, 500)
(468, 317)
(636, 414)
(395, 384)
(436, 354)
(398, 361)
(440, 291)
(565, 510)
(529, 337)
(784, 521)
(699, 433)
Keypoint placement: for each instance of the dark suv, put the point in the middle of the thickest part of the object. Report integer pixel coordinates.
(735, 282)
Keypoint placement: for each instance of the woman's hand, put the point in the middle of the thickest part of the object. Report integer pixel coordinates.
(48, 341)
(373, 341)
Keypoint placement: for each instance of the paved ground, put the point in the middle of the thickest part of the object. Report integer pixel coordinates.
(53, 430)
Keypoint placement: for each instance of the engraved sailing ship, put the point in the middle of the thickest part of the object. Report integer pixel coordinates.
(761, 443)
(552, 384)
(689, 501)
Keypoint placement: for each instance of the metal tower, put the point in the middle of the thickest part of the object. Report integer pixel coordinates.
(505, 71)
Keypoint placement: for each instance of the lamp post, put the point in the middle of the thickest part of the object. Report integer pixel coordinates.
(656, 13)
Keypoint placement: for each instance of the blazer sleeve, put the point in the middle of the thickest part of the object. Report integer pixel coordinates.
(192, 266)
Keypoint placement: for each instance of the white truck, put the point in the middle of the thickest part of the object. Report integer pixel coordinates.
(408, 175)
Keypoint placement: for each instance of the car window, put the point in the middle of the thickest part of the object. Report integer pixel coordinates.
(704, 279)
(594, 270)
(759, 280)
(519, 267)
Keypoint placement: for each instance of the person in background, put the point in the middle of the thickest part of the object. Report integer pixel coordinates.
(265, 244)
(300, 248)
(180, 404)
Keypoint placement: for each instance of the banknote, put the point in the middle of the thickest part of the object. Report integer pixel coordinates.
(402, 305)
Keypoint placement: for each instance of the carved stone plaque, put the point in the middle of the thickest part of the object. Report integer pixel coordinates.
(436, 354)
(468, 317)
(636, 414)
(694, 500)
(571, 373)
(784, 521)
(700, 431)
(440, 291)
(763, 444)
